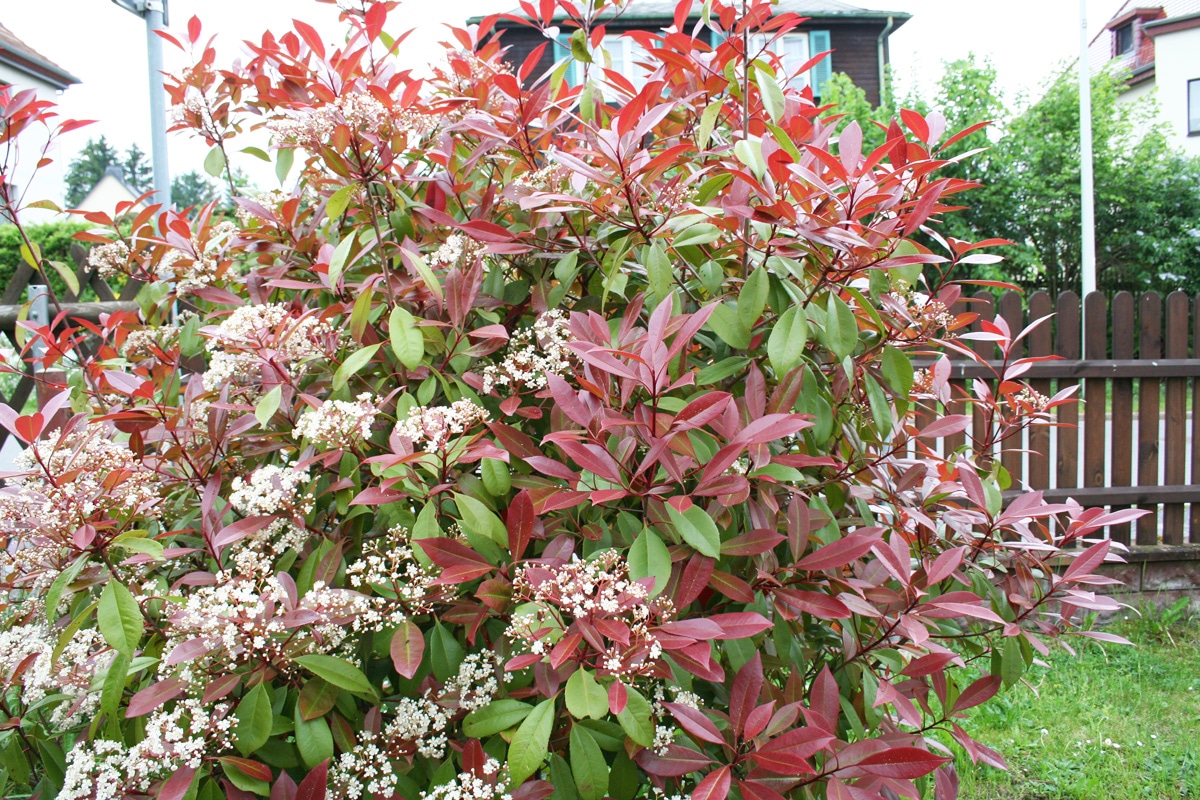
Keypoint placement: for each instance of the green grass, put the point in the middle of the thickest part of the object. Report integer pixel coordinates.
(1111, 723)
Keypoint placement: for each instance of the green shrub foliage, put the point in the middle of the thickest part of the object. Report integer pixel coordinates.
(542, 439)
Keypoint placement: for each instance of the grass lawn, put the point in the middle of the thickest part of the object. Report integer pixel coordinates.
(1111, 723)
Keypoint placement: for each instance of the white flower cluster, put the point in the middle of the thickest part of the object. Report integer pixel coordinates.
(85, 655)
(456, 250)
(143, 342)
(270, 200)
(196, 267)
(396, 571)
(108, 770)
(468, 786)
(664, 731)
(548, 177)
(533, 353)
(194, 110)
(361, 112)
(253, 334)
(418, 726)
(271, 490)
(924, 310)
(1030, 401)
(338, 424)
(437, 424)
(109, 260)
(599, 588)
(69, 480)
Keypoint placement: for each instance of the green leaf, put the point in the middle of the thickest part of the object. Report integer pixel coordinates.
(579, 47)
(1012, 663)
(214, 162)
(283, 163)
(266, 407)
(585, 697)
(120, 618)
(407, 341)
(636, 719)
(445, 653)
(64, 579)
(68, 275)
(253, 720)
(841, 327)
(496, 478)
(356, 361)
(752, 299)
(530, 744)
(785, 345)
(697, 528)
(316, 698)
(708, 123)
(314, 740)
(726, 323)
(340, 673)
(482, 520)
(772, 95)
(588, 765)
(721, 370)
(700, 233)
(337, 204)
(244, 781)
(496, 716)
(897, 370)
(649, 557)
(114, 686)
(659, 270)
(431, 281)
(337, 263)
(257, 152)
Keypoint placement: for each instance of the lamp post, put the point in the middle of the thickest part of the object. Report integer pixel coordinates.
(154, 12)
(1086, 189)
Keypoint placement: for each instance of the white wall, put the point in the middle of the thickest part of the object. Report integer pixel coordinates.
(45, 183)
(1176, 61)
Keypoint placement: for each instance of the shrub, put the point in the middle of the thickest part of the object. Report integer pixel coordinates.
(530, 446)
(53, 238)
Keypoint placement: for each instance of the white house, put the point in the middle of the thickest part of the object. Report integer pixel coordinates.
(1159, 43)
(22, 67)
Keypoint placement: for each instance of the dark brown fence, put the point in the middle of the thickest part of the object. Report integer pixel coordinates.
(1133, 440)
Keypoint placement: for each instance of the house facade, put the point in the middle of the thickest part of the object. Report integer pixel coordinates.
(1159, 44)
(21, 68)
(858, 38)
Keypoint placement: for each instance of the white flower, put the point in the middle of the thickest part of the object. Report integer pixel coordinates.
(533, 353)
(338, 423)
(435, 425)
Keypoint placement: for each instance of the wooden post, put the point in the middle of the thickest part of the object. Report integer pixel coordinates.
(1121, 457)
(1175, 440)
(1149, 347)
(1041, 343)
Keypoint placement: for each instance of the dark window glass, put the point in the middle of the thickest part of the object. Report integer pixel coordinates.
(1123, 39)
(1194, 106)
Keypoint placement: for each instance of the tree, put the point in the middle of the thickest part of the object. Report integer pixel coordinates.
(534, 445)
(193, 189)
(86, 169)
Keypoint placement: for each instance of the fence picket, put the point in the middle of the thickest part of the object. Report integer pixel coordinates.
(1066, 344)
(1175, 440)
(1121, 456)
(1012, 454)
(1095, 390)
(982, 304)
(1149, 347)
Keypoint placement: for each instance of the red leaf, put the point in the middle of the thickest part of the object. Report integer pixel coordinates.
(676, 762)
(946, 426)
(715, 786)
(695, 723)
(978, 692)
(241, 529)
(154, 696)
(747, 686)
(313, 787)
(193, 27)
(740, 625)
(254, 769)
(1088, 560)
(753, 790)
(618, 696)
(901, 762)
(840, 552)
(821, 606)
(520, 521)
(408, 646)
(178, 784)
(752, 543)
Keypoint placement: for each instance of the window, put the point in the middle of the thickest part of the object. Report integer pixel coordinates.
(1123, 39)
(792, 50)
(628, 58)
(1194, 107)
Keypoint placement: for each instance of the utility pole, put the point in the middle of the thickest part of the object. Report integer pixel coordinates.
(1086, 188)
(154, 12)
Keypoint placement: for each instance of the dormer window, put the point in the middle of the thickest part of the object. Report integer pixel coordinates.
(1123, 39)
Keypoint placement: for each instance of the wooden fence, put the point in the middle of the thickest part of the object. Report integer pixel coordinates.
(1107, 450)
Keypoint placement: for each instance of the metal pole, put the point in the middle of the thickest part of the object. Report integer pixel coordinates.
(1086, 187)
(154, 13)
(38, 297)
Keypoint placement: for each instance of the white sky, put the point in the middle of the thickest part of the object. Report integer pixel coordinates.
(104, 46)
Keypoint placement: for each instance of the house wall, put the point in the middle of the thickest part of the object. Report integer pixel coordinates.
(45, 183)
(855, 49)
(1176, 61)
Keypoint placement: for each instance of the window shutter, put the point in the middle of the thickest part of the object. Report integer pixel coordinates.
(818, 42)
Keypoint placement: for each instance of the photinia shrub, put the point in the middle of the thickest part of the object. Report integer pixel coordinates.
(543, 438)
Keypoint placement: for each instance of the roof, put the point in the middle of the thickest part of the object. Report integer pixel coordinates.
(21, 56)
(655, 10)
